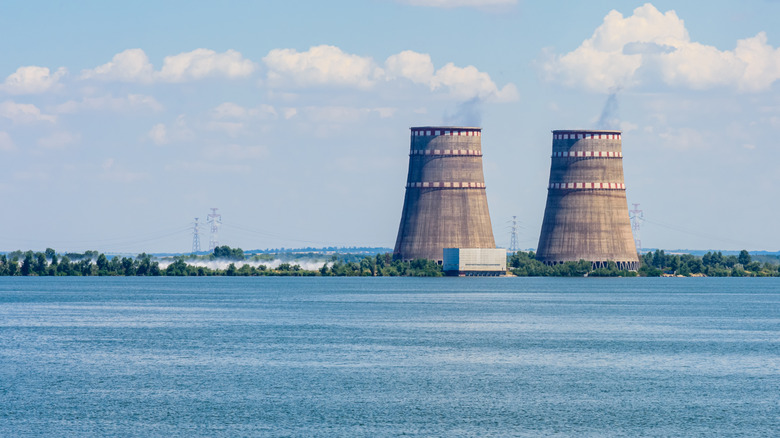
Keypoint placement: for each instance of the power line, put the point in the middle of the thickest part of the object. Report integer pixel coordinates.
(637, 216)
(513, 238)
(215, 219)
(195, 237)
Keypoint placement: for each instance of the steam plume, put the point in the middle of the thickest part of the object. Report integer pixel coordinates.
(609, 114)
(468, 113)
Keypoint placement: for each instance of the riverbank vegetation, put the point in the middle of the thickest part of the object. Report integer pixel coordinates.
(92, 263)
(653, 264)
(524, 264)
(226, 261)
(711, 264)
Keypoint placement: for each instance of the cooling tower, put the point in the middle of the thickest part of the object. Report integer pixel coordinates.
(445, 204)
(586, 217)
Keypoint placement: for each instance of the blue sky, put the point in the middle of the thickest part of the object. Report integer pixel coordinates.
(120, 123)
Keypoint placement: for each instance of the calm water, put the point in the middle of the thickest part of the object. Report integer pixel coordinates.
(389, 357)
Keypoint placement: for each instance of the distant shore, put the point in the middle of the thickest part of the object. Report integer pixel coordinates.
(226, 261)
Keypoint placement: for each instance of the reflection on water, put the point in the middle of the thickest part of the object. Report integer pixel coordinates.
(389, 356)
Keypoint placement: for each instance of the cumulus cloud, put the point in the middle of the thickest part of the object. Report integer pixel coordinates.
(462, 83)
(330, 66)
(20, 113)
(320, 65)
(467, 83)
(417, 67)
(32, 80)
(132, 102)
(459, 3)
(202, 63)
(6, 143)
(651, 47)
(132, 65)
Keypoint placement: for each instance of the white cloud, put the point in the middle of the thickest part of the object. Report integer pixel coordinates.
(320, 65)
(32, 80)
(20, 113)
(467, 83)
(132, 65)
(6, 143)
(462, 83)
(651, 47)
(328, 65)
(202, 63)
(459, 3)
(763, 63)
(417, 67)
(137, 102)
(59, 139)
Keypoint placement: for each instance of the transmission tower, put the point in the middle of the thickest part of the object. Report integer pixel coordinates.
(513, 239)
(196, 237)
(637, 217)
(215, 220)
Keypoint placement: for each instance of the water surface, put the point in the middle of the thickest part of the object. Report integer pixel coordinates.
(389, 356)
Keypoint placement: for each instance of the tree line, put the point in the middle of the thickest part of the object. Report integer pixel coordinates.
(653, 264)
(93, 263)
(521, 263)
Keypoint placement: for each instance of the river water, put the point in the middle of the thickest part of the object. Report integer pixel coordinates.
(389, 357)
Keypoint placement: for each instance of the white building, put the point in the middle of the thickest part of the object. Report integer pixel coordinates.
(474, 261)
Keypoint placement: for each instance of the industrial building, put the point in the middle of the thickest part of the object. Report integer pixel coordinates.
(479, 262)
(586, 216)
(445, 205)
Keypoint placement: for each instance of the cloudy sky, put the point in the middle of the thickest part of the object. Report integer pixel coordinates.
(121, 123)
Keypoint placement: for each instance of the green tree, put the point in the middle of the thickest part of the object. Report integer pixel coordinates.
(177, 269)
(39, 266)
(128, 267)
(27, 264)
(102, 264)
(231, 270)
(744, 258)
(226, 252)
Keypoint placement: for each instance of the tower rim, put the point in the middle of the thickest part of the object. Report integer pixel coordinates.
(595, 131)
(471, 128)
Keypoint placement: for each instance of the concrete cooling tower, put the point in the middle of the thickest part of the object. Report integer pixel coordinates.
(445, 204)
(586, 217)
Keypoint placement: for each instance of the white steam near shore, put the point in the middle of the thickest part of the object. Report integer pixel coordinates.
(222, 264)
